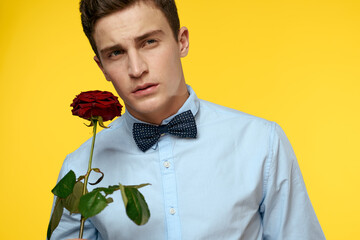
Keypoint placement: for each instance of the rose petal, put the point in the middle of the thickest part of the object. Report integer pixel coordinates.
(96, 103)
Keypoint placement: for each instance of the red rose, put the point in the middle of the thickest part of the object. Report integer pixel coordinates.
(96, 103)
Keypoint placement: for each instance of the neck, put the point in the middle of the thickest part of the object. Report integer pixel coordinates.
(163, 113)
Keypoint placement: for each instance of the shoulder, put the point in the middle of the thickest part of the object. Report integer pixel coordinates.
(211, 113)
(104, 137)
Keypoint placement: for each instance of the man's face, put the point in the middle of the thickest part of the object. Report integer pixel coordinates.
(139, 55)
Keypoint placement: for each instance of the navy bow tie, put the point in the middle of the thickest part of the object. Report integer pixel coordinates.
(182, 125)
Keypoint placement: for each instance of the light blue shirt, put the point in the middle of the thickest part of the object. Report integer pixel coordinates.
(239, 179)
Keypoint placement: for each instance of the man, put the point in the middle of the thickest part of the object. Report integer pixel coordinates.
(236, 177)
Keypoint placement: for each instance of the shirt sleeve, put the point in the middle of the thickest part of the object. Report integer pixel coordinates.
(286, 209)
(69, 225)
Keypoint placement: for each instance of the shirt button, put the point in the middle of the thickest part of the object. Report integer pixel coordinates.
(172, 211)
(167, 164)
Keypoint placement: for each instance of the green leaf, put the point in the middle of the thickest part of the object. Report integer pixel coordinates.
(136, 206)
(65, 186)
(109, 200)
(123, 194)
(108, 190)
(55, 217)
(71, 202)
(92, 203)
(139, 186)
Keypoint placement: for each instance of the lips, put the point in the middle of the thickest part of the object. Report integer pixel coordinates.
(145, 89)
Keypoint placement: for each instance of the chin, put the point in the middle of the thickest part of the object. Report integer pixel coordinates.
(145, 109)
(151, 105)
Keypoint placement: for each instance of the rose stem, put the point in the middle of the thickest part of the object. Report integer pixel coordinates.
(94, 121)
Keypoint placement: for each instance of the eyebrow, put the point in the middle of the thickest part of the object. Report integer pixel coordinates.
(137, 39)
(110, 49)
(148, 34)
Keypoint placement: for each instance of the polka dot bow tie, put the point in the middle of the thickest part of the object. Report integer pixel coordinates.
(182, 125)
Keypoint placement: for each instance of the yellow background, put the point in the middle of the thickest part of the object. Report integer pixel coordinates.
(293, 62)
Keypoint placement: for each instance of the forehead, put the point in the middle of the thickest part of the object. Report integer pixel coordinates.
(129, 23)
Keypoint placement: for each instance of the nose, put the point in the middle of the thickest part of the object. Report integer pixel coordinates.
(137, 66)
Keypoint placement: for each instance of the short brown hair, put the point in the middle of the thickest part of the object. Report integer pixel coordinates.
(93, 10)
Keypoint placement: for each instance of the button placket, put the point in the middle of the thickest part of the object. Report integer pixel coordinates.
(167, 168)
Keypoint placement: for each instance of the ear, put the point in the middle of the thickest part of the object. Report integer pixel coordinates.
(98, 62)
(183, 39)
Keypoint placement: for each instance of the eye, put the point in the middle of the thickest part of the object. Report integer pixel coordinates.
(149, 42)
(116, 53)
